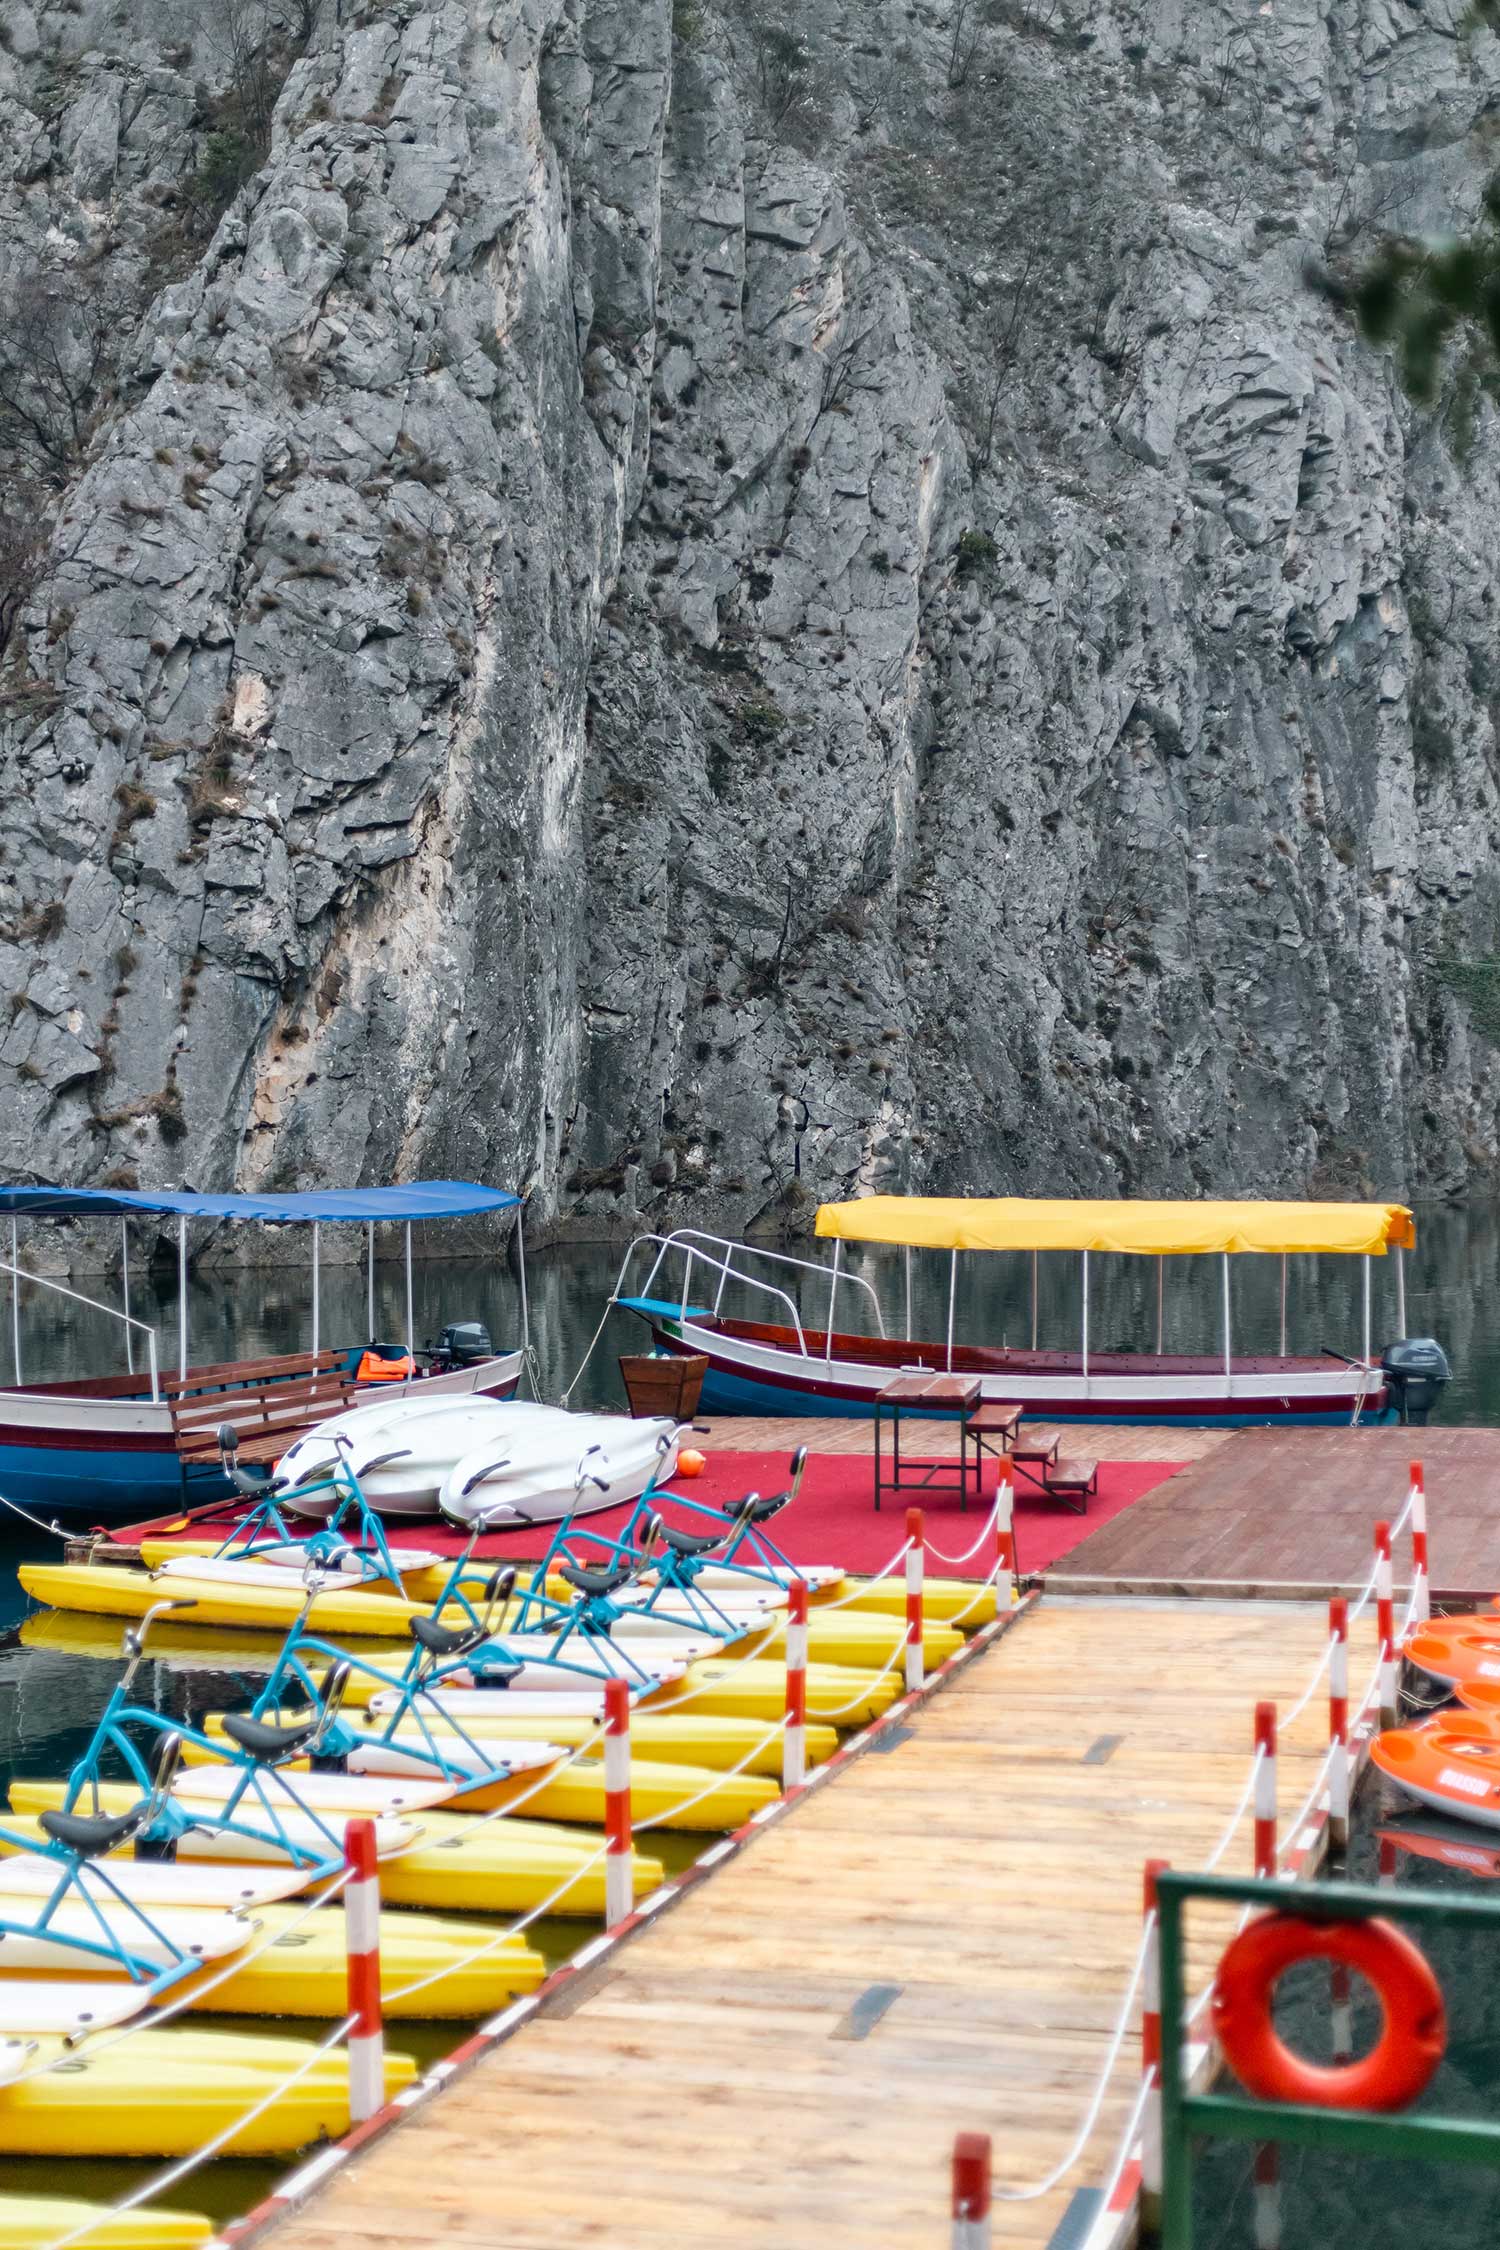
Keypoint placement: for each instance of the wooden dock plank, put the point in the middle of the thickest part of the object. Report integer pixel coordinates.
(834, 1433)
(707, 2089)
(1294, 1510)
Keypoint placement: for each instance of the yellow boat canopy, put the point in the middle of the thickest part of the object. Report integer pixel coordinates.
(1016, 1222)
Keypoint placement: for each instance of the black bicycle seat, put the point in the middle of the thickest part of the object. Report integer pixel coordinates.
(444, 1640)
(691, 1542)
(266, 1740)
(596, 1581)
(91, 1834)
(753, 1510)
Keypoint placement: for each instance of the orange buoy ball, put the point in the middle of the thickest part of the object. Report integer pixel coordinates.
(691, 1463)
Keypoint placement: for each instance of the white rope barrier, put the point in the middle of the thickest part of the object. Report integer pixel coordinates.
(100, 2042)
(150, 2189)
(513, 1929)
(1085, 2131)
(969, 1553)
(1211, 1861)
(723, 1774)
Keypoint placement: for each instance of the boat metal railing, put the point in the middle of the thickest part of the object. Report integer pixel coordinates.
(19, 1273)
(719, 1254)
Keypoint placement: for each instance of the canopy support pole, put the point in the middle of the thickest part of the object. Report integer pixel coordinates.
(317, 1278)
(125, 1292)
(1400, 1292)
(411, 1346)
(182, 1303)
(1035, 1264)
(1085, 1337)
(833, 1282)
(952, 1294)
(370, 1279)
(1228, 1363)
(1161, 1305)
(1367, 1309)
(525, 1298)
(906, 1263)
(1283, 1304)
(15, 1302)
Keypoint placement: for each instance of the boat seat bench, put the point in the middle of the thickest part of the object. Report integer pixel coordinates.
(269, 1402)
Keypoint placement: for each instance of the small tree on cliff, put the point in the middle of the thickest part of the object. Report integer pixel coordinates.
(1437, 303)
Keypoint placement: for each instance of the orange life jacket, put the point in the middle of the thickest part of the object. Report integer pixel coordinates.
(375, 1367)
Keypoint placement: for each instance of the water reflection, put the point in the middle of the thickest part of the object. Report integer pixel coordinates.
(245, 1312)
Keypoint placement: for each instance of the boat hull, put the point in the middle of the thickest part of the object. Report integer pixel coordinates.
(755, 1369)
(66, 1454)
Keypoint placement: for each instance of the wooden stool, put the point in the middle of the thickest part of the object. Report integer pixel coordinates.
(1071, 1482)
(1029, 1446)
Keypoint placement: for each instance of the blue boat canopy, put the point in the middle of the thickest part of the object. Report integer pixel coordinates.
(419, 1199)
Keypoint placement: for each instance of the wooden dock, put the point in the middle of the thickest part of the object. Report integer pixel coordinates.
(936, 1939)
(1290, 1513)
(832, 1433)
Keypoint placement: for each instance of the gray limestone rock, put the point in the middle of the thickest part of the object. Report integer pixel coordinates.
(694, 609)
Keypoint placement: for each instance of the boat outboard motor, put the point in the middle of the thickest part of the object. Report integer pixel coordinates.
(1415, 1371)
(463, 1343)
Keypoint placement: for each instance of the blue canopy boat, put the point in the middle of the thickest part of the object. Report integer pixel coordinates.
(111, 1445)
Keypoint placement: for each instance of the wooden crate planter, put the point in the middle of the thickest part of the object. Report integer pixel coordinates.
(663, 1385)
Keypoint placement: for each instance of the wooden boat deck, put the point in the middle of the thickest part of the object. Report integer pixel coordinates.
(937, 1939)
(1290, 1513)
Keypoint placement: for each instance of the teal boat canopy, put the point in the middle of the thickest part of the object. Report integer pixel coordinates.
(418, 1199)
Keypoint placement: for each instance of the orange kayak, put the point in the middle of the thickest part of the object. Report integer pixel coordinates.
(1451, 1763)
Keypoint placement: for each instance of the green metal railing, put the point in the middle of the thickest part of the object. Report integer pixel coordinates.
(1237, 2116)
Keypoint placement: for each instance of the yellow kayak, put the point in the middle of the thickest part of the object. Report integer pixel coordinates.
(714, 1802)
(164, 2093)
(860, 1639)
(837, 1694)
(669, 1738)
(834, 1636)
(459, 1865)
(944, 1601)
(105, 1590)
(34, 2222)
(303, 1970)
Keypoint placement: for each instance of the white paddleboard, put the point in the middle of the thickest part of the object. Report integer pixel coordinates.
(153, 1882)
(344, 1793)
(171, 1933)
(65, 2006)
(402, 1755)
(449, 1702)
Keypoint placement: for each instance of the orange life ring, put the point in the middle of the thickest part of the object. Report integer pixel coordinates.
(1413, 2034)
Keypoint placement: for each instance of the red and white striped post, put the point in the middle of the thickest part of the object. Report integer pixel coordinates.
(971, 2192)
(1265, 1789)
(1385, 1624)
(619, 1888)
(1267, 2208)
(1338, 1724)
(916, 1555)
(1421, 1580)
(1005, 1537)
(794, 1733)
(1151, 2056)
(1267, 2166)
(362, 1948)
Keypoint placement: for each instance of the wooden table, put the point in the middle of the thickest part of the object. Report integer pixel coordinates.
(918, 1393)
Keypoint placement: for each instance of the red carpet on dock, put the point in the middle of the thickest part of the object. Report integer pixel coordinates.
(833, 1519)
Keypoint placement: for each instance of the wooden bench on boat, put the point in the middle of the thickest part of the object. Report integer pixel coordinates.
(268, 1401)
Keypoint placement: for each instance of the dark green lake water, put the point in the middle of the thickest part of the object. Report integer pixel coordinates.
(49, 1699)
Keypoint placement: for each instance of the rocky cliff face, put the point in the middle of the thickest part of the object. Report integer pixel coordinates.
(695, 607)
